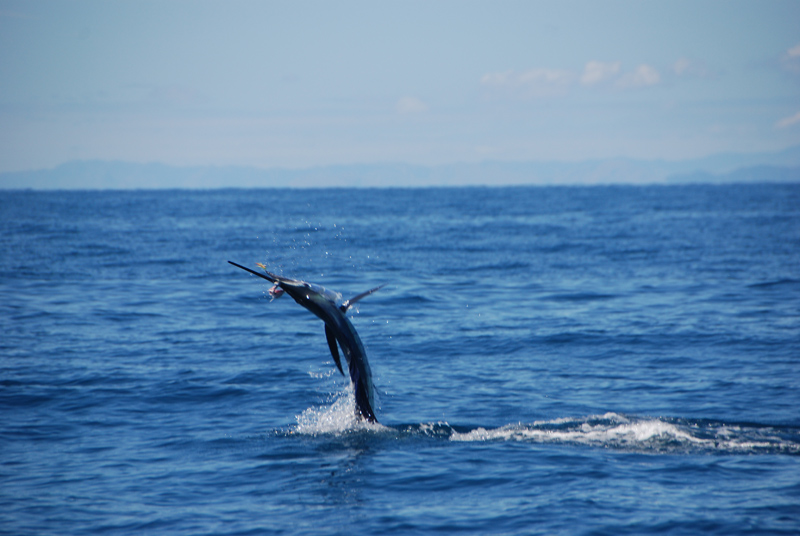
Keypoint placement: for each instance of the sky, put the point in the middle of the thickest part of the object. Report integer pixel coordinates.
(304, 84)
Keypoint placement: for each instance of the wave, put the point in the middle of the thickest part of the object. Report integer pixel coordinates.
(653, 434)
(610, 430)
(775, 283)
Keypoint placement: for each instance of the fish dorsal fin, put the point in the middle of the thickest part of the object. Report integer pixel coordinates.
(334, 349)
(349, 303)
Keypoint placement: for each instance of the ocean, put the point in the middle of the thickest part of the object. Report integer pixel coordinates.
(548, 360)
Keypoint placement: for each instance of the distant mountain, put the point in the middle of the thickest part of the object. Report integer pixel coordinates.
(745, 174)
(93, 175)
(783, 166)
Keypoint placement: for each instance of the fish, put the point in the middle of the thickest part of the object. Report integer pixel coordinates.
(339, 331)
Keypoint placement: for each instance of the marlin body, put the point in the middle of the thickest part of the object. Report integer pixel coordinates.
(338, 329)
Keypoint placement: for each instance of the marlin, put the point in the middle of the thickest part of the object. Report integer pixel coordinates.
(338, 329)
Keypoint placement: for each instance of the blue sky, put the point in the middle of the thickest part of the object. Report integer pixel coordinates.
(299, 84)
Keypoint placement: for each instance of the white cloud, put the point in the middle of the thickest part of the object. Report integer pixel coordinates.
(497, 79)
(643, 76)
(687, 67)
(681, 66)
(410, 105)
(531, 83)
(552, 82)
(596, 72)
(791, 59)
(788, 121)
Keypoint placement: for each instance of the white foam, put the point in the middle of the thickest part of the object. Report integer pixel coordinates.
(610, 416)
(640, 433)
(608, 429)
(644, 431)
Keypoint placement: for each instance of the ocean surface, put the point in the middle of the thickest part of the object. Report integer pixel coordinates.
(577, 360)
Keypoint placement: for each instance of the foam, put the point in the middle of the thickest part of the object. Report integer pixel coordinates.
(616, 431)
(638, 433)
(630, 434)
(610, 430)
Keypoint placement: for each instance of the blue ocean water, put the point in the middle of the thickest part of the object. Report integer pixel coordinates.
(581, 360)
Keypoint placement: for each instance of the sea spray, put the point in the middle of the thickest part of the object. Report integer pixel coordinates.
(336, 418)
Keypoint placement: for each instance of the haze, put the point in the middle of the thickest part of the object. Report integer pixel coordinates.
(303, 84)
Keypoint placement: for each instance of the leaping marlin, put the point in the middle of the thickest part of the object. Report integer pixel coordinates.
(338, 328)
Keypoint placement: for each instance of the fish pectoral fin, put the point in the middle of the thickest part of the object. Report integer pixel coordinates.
(349, 303)
(334, 348)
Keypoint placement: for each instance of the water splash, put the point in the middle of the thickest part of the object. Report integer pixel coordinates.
(337, 418)
(610, 430)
